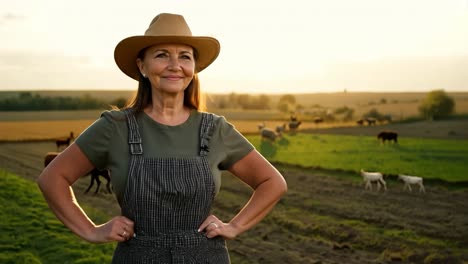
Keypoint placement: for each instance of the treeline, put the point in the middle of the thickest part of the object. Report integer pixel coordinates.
(27, 101)
(437, 104)
(239, 101)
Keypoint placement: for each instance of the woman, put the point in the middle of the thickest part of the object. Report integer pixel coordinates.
(165, 158)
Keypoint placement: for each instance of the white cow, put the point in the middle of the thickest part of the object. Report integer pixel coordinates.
(409, 180)
(370, 177)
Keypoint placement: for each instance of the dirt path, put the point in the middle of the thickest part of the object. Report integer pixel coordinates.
(326, 217)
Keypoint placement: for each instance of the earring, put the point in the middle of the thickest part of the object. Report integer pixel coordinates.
(144, 75)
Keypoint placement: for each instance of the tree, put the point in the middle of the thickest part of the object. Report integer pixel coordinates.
(288, 98)
(119, 102)
(437, 104)
(346, 112)
(243, 100)
(287, 103)
(263, 102)
(374, 113)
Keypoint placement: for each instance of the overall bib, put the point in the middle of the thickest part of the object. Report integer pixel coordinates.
(168, 199)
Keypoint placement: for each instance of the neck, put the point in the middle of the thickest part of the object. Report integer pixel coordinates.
(168, 109)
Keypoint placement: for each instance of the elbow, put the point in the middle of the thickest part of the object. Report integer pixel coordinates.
(282, 187)
(42, 182)
(275, 187)
(279, 184)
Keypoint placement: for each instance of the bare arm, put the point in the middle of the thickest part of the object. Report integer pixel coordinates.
(55, 183)
(268, 185)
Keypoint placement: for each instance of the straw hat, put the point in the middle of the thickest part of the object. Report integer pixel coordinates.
(165, 28)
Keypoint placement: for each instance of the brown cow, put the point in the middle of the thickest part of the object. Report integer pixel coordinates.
(64, 141)
(95, 173)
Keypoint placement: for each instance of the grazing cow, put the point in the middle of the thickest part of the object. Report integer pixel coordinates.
(318, 120)
(280, 129)
(408, 180)
(293, 118)
(293, 125)
(49, 157)
(388, 135)
(370, 177)
(268, 134)
(95, 173)
(260, 126)
(64, 142)
(360, 122)
(371, 121)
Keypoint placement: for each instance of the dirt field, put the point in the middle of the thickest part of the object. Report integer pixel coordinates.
(311, 223)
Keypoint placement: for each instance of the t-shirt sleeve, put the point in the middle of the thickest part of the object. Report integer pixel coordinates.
(235, 144)
(94, 141)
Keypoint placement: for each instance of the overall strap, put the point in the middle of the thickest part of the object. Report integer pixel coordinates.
(134, 138)
(206, 131)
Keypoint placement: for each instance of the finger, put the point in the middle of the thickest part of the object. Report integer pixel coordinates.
(212, 233)
(207, 221)
(207, 226)
(126, 235)
(127, 221)
(212, 226)
(213, 229)
(119, 232)
(119, 236)
(128, 232)
(127, 226)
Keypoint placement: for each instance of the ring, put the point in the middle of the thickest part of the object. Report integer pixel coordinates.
(213, 223)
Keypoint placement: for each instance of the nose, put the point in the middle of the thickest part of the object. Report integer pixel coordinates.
(174, 63)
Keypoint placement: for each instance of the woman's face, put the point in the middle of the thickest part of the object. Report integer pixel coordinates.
(169, 67)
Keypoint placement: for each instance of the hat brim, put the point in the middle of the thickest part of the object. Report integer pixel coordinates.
(126, 52)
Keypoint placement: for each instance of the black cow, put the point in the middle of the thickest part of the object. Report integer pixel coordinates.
(388, 135)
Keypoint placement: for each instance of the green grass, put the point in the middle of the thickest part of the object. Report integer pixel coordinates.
(30, 233)
(429, 158)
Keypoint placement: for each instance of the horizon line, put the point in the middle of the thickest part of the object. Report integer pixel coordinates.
(240, 92)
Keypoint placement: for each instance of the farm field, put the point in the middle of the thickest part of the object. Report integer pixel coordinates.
(326, 216)
(48, 125)
(431, 158)
(51, 129)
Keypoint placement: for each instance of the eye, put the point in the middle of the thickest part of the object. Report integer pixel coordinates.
(186, 57)
(160, 55)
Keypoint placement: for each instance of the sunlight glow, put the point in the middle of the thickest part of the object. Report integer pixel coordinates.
(266, 46)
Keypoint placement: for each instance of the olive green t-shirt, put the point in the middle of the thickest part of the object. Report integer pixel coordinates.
(105, 143)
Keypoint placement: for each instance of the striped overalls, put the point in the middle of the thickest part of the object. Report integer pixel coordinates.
(168, 199)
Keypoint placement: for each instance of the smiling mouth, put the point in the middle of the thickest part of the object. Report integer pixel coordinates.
(173, 78)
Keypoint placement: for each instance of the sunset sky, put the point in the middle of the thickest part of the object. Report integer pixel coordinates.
(266, 46)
